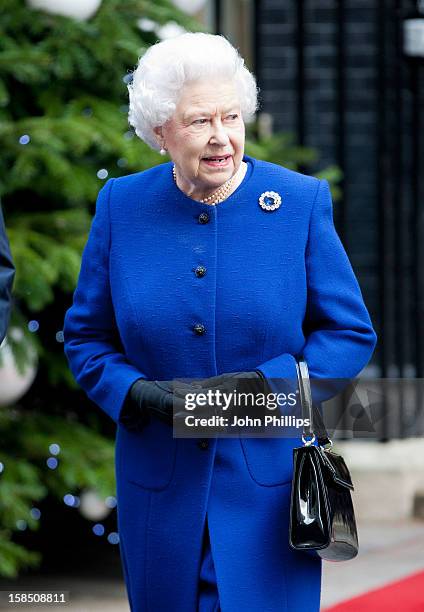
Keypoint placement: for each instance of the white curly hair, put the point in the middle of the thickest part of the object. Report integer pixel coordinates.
(166, 66)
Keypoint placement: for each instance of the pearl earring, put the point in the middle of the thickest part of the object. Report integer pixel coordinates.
(162, 151)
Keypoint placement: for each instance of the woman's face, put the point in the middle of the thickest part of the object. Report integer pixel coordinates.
(207, 123)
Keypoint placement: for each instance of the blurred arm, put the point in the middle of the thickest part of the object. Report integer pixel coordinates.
(7, 274)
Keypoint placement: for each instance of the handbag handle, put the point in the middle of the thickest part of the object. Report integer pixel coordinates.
(309, 410)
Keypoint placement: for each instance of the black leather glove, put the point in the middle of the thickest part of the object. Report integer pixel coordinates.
(229, 382)
(147, 398)
(253, 379)
(244, 388)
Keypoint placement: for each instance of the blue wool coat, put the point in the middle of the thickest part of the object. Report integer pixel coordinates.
(277, 284)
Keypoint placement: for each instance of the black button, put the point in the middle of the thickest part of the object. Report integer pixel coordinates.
(200, 271)
(199, 329)
(203, 217)
(203, 444)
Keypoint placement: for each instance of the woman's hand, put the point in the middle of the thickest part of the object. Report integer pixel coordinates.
(223, 389)
(166, 399)
(158, 398)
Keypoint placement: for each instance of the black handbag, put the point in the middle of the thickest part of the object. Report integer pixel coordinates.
(322, 518)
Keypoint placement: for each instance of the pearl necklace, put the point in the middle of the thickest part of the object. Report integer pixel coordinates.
(220, 194)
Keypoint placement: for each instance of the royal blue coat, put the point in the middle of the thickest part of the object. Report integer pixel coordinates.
(277, 284)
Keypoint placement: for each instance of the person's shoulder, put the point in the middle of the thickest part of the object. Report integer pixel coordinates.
(291, 178)
(124, 186)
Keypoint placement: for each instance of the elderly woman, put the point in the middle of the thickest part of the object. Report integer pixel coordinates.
(210, 264)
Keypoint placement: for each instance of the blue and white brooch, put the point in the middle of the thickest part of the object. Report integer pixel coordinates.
(270, 200)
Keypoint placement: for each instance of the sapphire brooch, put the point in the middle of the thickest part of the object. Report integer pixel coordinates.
(270, 200)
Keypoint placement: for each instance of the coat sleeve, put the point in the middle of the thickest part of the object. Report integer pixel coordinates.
(7, 274)
(91, 339)
(340, 339)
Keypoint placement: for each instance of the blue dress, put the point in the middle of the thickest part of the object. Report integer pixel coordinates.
(206, 526)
